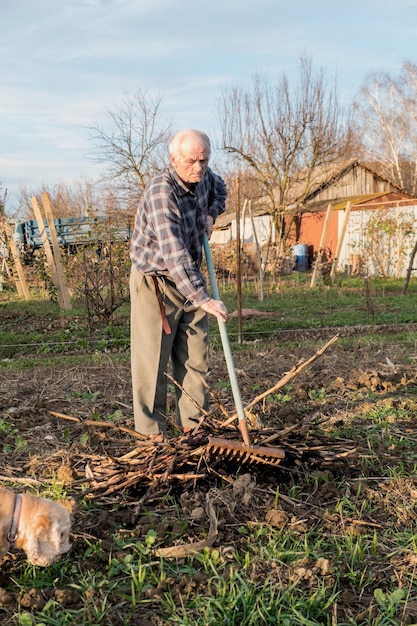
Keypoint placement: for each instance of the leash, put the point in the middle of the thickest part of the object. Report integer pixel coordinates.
(14, 526)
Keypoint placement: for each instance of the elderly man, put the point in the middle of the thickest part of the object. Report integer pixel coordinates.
(169, 297)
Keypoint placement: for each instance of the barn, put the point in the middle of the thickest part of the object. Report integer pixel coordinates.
(352, 216)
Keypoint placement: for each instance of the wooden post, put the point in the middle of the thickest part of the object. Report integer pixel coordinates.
(66, 299)
(258, 253)
(238, 264)
(341, 239)
(19, 275)
(410, 269)
(47, 247)
(321, 246)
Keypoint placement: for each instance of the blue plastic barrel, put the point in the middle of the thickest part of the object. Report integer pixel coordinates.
(300, 251)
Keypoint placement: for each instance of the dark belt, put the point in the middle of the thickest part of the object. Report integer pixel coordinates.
(165, 323)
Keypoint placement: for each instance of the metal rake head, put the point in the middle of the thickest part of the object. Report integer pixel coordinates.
(231, 450)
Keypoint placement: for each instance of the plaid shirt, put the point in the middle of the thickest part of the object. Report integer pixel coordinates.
(169, 228)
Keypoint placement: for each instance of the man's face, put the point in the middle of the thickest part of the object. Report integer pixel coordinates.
(192, 162)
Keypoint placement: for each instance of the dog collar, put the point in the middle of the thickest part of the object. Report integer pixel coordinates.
(14, 526)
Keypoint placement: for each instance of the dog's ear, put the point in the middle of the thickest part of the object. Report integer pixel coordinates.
(53, 532)
(36, 539)
(42, 525)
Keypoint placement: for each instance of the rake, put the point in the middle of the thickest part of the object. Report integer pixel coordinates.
(243, 451)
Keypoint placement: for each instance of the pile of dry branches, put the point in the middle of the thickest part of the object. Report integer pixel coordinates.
(213, 449)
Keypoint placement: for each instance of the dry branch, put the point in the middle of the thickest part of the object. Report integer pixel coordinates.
(181, 551)
(285, 379)
(98, 423)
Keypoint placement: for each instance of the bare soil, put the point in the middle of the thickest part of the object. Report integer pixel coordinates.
(338, 387)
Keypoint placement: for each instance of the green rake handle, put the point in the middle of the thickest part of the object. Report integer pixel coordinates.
(226, 348)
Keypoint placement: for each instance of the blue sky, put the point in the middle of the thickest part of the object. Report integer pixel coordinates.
(66, 63)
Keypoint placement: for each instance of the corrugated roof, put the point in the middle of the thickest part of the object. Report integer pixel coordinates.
(382, 198)
(326, 175)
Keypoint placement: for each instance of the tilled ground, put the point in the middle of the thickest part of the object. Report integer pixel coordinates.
(38, 403)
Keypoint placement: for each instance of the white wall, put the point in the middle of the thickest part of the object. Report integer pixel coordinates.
(389, 251)
(262, 225)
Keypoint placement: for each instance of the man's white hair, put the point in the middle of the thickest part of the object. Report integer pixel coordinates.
(183, 135)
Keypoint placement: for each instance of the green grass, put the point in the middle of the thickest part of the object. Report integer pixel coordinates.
(349, 539)
(274, 577)
(40, 328)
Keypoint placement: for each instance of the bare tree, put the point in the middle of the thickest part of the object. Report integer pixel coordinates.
(133, 149)
(386, 116)
(82, 198)
(284, 136)
(3, 196)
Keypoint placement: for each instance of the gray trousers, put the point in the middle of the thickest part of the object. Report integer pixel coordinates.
(151, 349)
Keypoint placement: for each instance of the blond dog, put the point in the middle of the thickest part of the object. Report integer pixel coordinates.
(36, 525)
